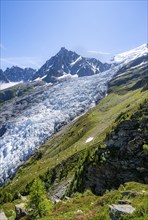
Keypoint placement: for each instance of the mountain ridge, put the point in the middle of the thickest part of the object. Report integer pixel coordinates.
(68, 62)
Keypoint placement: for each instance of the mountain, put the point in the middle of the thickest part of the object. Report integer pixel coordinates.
(17, 74)
(91, 162)
(67, 63)
(3, 78)
(35, 117)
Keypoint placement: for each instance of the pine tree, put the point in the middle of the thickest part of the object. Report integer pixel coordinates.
(38, 204)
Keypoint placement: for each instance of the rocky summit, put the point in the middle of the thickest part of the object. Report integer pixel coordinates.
(67, 63)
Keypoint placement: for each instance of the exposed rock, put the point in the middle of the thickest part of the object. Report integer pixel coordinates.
(124, 202)
(2, 215)
(67, 62)
(20, 210)
(131, 194)
(117, 210)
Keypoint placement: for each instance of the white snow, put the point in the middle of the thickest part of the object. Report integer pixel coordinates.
(67, 76)
(7, 85)
(40, 78)
(131, 54)
(89, 139)
(79, 58)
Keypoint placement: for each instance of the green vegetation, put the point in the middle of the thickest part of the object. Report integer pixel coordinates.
(38, 205)
(15, 92)
(89, 206)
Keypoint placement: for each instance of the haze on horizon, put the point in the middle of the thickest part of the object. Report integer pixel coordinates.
(33, 31)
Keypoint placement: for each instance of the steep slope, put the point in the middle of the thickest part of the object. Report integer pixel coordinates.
(111, 107)
(67, 63)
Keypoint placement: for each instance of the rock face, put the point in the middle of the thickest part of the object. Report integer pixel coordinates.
(117, 210)
(2, 215)
(67, 62)
(3, 78)
(20, 210)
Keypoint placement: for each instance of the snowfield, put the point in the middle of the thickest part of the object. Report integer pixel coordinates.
(131, 54)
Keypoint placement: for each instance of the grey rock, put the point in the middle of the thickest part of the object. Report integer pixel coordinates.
(20, 210)
(117, 210)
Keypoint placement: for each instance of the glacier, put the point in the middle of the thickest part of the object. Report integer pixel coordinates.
(50, 109)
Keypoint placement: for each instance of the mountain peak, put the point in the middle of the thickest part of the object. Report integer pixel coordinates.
(63, 50)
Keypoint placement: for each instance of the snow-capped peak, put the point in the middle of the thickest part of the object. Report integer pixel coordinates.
(131, 54)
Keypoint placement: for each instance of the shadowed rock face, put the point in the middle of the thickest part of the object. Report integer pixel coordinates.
(20, 210)
(3, 78)
(17, 74)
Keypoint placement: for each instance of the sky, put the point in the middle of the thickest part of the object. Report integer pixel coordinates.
(33, 31)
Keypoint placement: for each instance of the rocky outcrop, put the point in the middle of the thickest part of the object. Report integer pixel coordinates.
(117, 210)
(20, 210)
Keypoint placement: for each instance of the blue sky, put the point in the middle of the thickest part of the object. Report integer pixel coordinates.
(33, 31)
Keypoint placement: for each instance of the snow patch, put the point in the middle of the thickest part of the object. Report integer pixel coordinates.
(79, 58)
(89, 139)
(67, 76)
(8, 85)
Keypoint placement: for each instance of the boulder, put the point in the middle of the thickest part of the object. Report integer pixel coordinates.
(20, 210)
(117, 210)
(2, 215)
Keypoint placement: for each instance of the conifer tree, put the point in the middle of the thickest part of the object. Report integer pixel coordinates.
(38, 204)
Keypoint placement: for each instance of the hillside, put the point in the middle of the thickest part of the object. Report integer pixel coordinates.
(95, 155)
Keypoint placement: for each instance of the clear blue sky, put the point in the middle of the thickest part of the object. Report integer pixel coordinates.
(33, 31)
